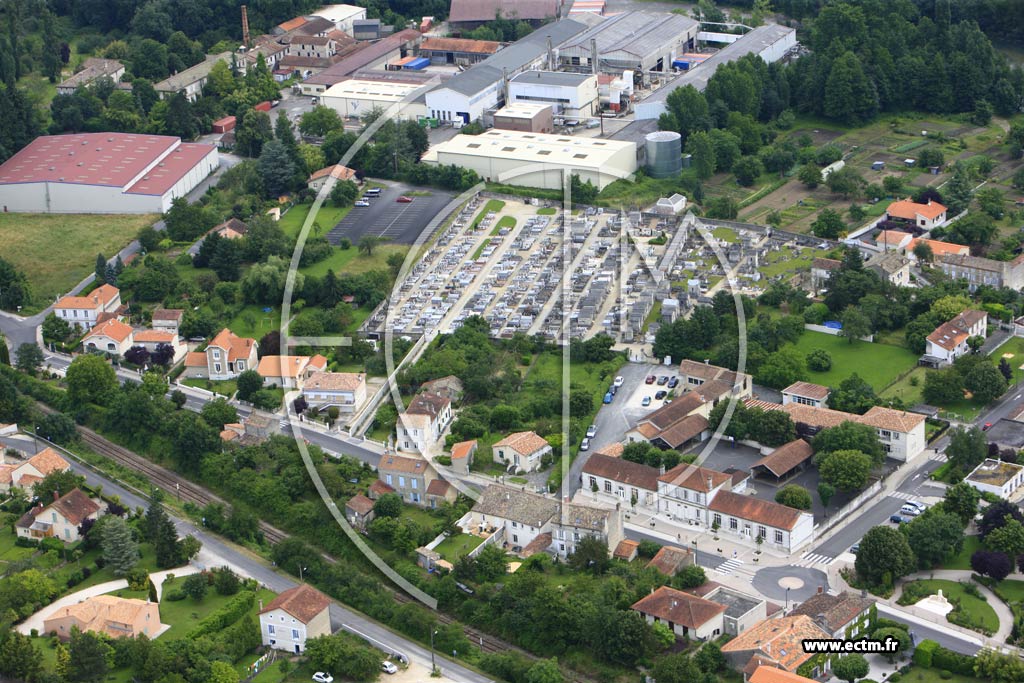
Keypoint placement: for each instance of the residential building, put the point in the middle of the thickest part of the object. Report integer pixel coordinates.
(978, 271)
(93, 69)
(84, 311)
(781, 527)
(621, 480)
(320, 178)
(290, 372)
(893, 240)
(295, 616)
(342, 16)
(685, 491)
(313, 46)
(151, 339)
(226, 357)
(845, 616)
(110, 336)
(670, 560)
(627, 550)
(470, 14)
(521, 452)
(890, 266)
(359, 511)
(461, 51)
(231, 229)
(693, 374)
(168, 319)
(640, 41)
(924, 217)
(355, 98)
(408, 477)
(784, 461)
(190, 82)
(420, 427)
(103, 173)
(60, 519)
(343, 390)
(463, 453)
(779, 642)
(806, 393)
(449, 387)
(571, 95)
(772, 674)
(949, 341)
(939, 249)
(998, 477)
(742, 611)
(676, 424)
(821, 271)
(32, 471)
(686, 615)
(107, 614)
(440, 492)
(536, 159)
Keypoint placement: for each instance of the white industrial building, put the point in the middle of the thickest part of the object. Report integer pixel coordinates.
(769, 42)
(635, 41)
(467, 95)
(355, 98)
(342, 16)
(103, 173)
(536, 159)
(572, 95)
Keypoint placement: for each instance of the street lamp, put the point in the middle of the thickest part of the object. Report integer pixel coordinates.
(787, 600)
(433, 666)
(301, 569)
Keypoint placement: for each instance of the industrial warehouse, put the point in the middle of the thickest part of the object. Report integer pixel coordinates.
(103, 173)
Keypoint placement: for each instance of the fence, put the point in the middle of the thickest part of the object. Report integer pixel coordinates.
(841, 514)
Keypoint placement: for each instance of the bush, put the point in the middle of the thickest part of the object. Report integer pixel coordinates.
(225, 616)
(174, 596)
(945, 674)
(925, 653)
(75, 578)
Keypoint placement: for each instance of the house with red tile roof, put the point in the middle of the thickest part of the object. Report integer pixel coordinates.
(846, 616)
(344, 390)
(949, 340)
(359, 511)
(779, 642)
(319, 178)
(784, 461)
(290, 372)
(686, 615)
(84, 311)
(226, 357)
(409, 477)
(462, 455)
(806, 393)
(939, 249)
(295, 616)
(60, 519)
(747, 517)
(922, 216)
(31, 471)
(521, 452)
(621, 481)
(107, 614)
(425, 419)
(110, 336)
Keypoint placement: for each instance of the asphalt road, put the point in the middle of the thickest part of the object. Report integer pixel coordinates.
(389, 219)
(341, 617)
(921, 630)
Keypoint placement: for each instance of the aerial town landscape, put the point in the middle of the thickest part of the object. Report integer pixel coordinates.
(522, 341)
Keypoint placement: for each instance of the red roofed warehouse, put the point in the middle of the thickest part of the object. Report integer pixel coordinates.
(103, 173)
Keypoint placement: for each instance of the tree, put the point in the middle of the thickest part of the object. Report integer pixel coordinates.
(247, 384)
(998, 667)
(985, 382)
(892, 633)
(795, 496)
(59, 482)
(967, 448)
(1009, 538)
(678, 667)
(849, 95)
(809, 175)
(687, 112)
(943, 386)
(344, 193)
(995, 564)
(995, 516)
(388, 505)
(829, 224)
(962, 500)
(825, 492)
(690, 576)
(218, 413)
(185, 221)
(55, 330)
(846, 182)
(853, 395)
(782, 368)
(222, 672)
(591, 555)
(367, 243)
(195, 586)
(934, 536)
(545, 671)
(820, 360)
(846, 470)
(702, 150)
(90, 657)
(29, 358)
(855, 324)
(252, 132)
(14, 287)
(748, 170)
(276, 168)
(19, 657)
(345, 656)
(320, 121)
(992, 201)
(884, 556)
(160, 531)
(57, 427)
(849, 436)
(1005, 370)
(120, 550)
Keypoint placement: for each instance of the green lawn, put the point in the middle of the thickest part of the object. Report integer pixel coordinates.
(454, 547)
(1011, 590)
(547, 211)
(353, 261)
(911, 395)
(328, 216)
(1013, 351)
(55, 251)
(224, 387)
(503, 222)
(963, 559)
(886, 362)
(9, 552)
(976, 608)
(184, 615)
(252, 321)
(726, 235)
(789, 261)
(919, 675)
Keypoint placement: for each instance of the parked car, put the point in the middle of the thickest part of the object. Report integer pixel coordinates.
(591, 431)
(897, 519)
(673, 382)
(619, 381)
(910, 510)
(663, 380)
(650, 379)
(646, 402)
(988, 425)
(373, 192)
(321, 677)
(613, 389)
(660, 395)
(388, 667)
(918, 504)
(585, 445)
(854, 548)
(404, 200)
(362, 202)
(608, 397)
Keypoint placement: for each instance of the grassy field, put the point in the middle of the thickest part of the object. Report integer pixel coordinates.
(919, 675)
(354, 262)
(962, 560)
(184, 615)
(55, 251)
(253, 321)
(547, 211)
(224, 387)
(887, 362)
(454, 547)
(977, 609)
(328, 216)
(1013, 351)
(789, 261)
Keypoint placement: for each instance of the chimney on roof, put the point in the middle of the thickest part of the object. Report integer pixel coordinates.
(821, 589)
(661, 469)
(593, 56)
(56, 495)
(707, 361)
(675, 603)
(709, 483)
(551, 56)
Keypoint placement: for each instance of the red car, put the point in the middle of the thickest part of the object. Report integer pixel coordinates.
(404, 200)
(650, 379)
(986, 427)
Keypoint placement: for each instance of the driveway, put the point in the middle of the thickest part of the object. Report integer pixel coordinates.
(389, 219)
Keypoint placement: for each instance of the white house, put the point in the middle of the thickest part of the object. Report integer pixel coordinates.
(808, 394)
(226, 357)
(949, 340)
(110, 336)
(60, 519)
(83, 311)
(167, 319)
(685, 491)
(343, 390)
(621, 481)
(290, 372)
(152, 338)
(189, 82)
(421, 425)
(998, 477)
(924, 216)
(294, 616)
(342, 16)
(521, 451)
(688, 616)
(781, 527)
(31, 471)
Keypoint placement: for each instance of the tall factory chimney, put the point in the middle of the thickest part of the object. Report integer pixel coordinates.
(593, 56)
(245, 26)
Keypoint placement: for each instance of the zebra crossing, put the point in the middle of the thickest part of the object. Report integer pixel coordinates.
(729, 566)
(811, 559)
(902, 495)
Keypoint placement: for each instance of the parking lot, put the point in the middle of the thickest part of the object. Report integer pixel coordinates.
(389, 219)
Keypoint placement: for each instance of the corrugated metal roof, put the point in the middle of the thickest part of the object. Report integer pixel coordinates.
(636, 33)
